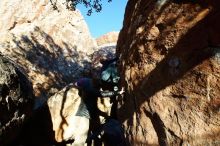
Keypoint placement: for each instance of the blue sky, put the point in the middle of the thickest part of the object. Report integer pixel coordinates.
(109, 19)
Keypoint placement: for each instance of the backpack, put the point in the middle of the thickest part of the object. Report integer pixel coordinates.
(109, 71)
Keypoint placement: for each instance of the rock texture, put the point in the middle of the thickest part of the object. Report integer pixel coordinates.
(63, 107)
(108, 38)
(56, 123)
(53, 46)
(170, 66)
(103, 53)
(106, 49)
(16, 100)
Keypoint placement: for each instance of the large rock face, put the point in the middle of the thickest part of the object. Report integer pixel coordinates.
(52, 45)
(16, 100)
(170, 65)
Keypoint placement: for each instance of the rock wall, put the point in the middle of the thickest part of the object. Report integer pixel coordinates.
(52, 45)
(170, 65)
(16, 100)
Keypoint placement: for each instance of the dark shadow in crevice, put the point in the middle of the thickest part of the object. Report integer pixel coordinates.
(63, 120)
(38, 130)
(159, 127)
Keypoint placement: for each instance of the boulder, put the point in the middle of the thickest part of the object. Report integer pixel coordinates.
(52, 45)
(63, 107)
(169, 61)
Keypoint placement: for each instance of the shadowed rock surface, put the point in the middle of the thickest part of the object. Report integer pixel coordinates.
(54, 123)
(105, 50)
(53, 46)
(16, 100)
(170, 67)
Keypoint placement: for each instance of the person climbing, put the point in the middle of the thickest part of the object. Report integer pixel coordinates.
(105, 86)
(92, 88)
(110, 81)
(89, 92)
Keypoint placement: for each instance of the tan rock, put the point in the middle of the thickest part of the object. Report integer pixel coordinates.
(170, 66)
(63, 107)
(108, 38)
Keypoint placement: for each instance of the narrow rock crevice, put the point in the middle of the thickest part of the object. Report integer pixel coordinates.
(13, 26)
(176, 139)
(159, 127)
